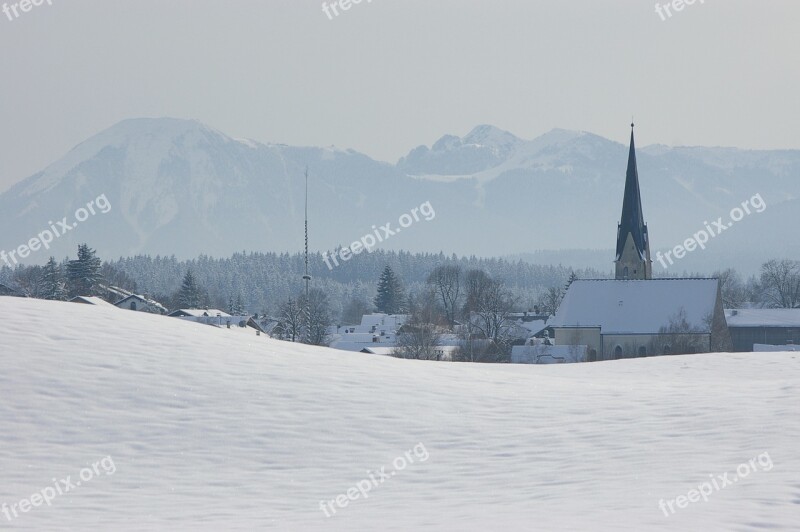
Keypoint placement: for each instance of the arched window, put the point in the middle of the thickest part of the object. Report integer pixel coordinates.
(618, 352)
(133, 305)
(625, 273)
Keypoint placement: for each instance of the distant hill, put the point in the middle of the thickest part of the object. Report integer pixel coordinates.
(180, 187)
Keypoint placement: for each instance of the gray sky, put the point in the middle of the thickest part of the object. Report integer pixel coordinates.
(386, 76)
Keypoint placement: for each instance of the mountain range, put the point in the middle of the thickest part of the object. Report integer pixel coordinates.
(180, 187)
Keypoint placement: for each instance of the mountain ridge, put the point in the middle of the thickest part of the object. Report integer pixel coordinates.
(179, 186)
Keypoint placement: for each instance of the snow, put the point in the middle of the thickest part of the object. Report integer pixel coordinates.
(216, 431)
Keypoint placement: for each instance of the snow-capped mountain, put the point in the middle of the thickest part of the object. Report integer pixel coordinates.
(483, 148)
(180, 187)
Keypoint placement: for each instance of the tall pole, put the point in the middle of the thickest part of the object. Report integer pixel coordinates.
(306, 276)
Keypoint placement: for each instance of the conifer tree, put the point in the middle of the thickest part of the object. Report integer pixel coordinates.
(190, 294)
(391, 296)
(83, 274)
(54, 286)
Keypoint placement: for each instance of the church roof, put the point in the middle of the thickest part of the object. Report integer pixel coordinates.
(636, 306)
(632, 220)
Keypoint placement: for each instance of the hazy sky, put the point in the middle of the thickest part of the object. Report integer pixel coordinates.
(386, 76)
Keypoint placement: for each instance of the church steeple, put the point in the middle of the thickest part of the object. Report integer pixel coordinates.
(633, 245)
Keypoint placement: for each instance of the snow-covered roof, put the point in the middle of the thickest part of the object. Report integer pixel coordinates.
(91, 300)
(387, 351)
(358, 346)
(763, 317)
(535, 326)
(147, 300)
(199, 312)
(636, 306)
(386, 321)
(8, 291)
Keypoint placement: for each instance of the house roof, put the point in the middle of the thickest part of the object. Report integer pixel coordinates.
(8, 291)
(151, 302)
(387, 351)
(763, 317)
(199, 312)
(636, 306)
(535, 326)
(91, 300)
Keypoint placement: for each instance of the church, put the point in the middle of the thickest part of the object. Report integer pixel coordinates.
(634, 315)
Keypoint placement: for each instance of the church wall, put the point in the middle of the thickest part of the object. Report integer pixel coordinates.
(588, 336)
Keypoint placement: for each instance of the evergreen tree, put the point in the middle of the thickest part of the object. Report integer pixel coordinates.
(391, 296)
(190, 295)
(236, 308)
(83, 274)
(54, 286)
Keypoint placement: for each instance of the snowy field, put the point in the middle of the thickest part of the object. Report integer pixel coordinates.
(182, 426)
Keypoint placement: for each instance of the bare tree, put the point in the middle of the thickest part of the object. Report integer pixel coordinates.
(446, 281)
(290, 320)
(734, 294)
(30, 281)
(780, 283)
(550, 300)
(319, 317)
(476, 284)
(490, 319)
(679, 337)
(419, 337)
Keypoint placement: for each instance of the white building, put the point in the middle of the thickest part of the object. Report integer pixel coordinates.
(210, 316)
(141, 304)
(375, 330)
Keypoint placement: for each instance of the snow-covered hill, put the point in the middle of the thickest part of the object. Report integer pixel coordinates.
(180, 187)
(216, 429)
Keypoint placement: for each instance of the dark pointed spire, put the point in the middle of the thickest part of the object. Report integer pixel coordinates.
(632, 220)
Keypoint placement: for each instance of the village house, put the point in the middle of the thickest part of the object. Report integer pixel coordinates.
(141, 304)
(8, 291)
(763, 327)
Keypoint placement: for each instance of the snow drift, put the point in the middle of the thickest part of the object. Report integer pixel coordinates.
(217, 429)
